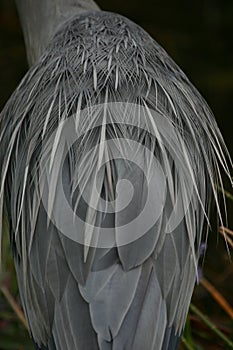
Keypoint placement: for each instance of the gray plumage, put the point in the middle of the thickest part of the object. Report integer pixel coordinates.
(133, 296)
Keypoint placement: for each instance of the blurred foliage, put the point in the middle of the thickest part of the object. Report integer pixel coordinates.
(13, 334)
(198, 35)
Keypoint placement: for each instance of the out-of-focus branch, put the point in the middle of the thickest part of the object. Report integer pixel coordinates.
(211, 326)
(226, 232)
(186, 343)
(226, 193)
(218, 297)
(14, 305)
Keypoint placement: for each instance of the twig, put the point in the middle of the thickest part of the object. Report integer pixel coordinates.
(226, 193)
(14, 305)
(186, 343)
(218, 297)
(225, 232)
(208, 323)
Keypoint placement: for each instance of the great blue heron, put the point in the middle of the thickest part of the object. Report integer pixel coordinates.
(109, 160)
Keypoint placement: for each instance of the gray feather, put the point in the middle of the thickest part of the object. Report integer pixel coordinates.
(77, 293)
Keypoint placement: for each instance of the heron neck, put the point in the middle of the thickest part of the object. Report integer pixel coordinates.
(40, 19)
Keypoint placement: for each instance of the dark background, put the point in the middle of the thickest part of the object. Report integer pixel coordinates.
(198, 35)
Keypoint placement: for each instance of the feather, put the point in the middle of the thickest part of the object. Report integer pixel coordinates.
(106, 227)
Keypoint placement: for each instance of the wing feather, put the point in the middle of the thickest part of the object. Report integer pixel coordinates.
(135, 292)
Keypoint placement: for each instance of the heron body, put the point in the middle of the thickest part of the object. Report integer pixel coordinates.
(104, 115)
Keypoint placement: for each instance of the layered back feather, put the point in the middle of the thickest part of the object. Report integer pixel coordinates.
(105, 106)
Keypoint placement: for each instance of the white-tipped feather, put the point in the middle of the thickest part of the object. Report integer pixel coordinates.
(114, 70)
